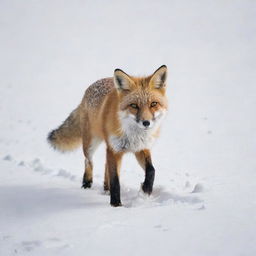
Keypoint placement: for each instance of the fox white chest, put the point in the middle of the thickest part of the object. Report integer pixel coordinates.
(132, 142)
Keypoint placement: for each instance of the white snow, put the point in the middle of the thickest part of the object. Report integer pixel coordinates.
(204, 199)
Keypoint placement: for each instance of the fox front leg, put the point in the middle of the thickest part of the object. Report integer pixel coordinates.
(144, 159)
(113, 168)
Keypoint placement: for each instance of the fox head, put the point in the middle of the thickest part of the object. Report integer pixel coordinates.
(143, 103)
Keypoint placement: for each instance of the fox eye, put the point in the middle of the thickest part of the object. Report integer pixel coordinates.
(133, 105)
(153, 104)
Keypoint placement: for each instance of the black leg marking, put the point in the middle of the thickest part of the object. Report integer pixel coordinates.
(147, 186)
(115, 192)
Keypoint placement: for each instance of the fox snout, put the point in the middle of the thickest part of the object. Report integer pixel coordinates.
(145, 124)
(152, 121)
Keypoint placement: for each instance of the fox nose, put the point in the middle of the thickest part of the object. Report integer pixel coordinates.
(146, 123)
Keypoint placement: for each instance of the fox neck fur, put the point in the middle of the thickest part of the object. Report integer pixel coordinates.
(135, 138)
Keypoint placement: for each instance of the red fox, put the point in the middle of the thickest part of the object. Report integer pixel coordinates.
(123, 111)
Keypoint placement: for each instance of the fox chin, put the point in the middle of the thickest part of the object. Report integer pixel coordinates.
(126, 113)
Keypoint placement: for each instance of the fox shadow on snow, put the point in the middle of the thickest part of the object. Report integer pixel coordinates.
(29, 201)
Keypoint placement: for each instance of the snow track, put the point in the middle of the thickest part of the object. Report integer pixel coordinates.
(130, 196)
(36, 198)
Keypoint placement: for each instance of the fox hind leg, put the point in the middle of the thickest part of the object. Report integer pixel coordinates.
(106, 178)
(89, 147)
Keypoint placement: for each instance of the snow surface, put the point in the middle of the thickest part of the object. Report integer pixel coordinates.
(204, 199)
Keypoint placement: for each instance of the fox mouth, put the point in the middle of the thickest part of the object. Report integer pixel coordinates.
(147, 128)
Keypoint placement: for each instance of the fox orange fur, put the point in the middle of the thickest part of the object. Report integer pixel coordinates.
(123, 111)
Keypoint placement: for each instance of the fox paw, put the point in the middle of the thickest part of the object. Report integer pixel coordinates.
(86, 184)
(147, 189)
(116, 204)
(106, 187)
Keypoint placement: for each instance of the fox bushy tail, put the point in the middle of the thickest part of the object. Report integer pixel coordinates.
(67, 136)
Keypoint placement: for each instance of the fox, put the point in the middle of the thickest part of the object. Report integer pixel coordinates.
(126, 113)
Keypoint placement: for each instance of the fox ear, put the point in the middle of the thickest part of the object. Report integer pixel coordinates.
(122, 81)
(158, 79)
